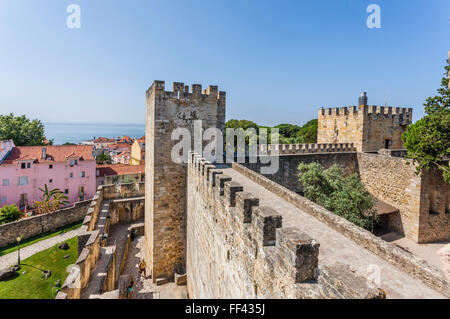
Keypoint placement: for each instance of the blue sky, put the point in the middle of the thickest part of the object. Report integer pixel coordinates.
(279, 61)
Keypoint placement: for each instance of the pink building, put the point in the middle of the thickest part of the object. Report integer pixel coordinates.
(25, 169)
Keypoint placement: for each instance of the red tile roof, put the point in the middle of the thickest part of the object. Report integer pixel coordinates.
(115, 146)
(55, 153)
(125, 139)
(119, 169)
(104, 140)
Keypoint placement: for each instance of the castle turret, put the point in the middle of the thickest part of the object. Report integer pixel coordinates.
(369, 127)
(165, 208)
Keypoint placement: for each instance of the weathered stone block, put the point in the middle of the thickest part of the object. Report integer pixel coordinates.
(266, 221)
(302, 252)
(161, 281)
(220, 182)
(181, 280)
(244, 203)
(231, 188)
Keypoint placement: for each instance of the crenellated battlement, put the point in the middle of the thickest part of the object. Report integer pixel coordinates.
(262, 224)
(251, 243)
(369, 127)
(182, 91)
(291, 149)
(366, 109)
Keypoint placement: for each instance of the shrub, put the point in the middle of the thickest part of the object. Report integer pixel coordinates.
(9, 214)
(345, 196)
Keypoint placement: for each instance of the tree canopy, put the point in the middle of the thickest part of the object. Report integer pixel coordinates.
(22, 131)
(244, 124)
(288, 133)
(428, 140)
(345, 196)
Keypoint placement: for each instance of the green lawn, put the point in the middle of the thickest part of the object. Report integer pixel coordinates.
(32, 240)
(32, 285)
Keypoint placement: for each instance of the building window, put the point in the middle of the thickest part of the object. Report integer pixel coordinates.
(50, 166)
(50, 180)
(73, 162)
(66, 191)
(387, 143)
(25, 165)
(71, 175)
(6, 182)
(82, 174)
(23, 180)
(3, 200)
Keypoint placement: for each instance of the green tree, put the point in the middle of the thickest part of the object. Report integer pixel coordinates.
(103, 158)
(308, 132)
(21, 130)
(346, 196)
(428, 140)
(9, 214)
(288, 130)
(244, 124)
(51, 200)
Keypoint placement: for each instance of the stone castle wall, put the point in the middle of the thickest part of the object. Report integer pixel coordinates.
(393, 181)
(423, 200)
(165, 209)
(40, 224)
(368, 128)
(401, 258)
(389, 179)
(237, 249)
(434, 220)
(291, 149)
(125, 203)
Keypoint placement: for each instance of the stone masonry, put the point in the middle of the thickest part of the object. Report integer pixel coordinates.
(165, 209)
(239, 249)
(370, 128)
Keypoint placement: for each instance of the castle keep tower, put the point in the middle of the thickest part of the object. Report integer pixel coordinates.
(369, 127)
(165, 181)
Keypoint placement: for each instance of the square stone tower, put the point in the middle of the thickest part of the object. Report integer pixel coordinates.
(368, 127)
(165, 180)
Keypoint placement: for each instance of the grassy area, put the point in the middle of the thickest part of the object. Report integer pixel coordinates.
(32, 240)
(32, 284)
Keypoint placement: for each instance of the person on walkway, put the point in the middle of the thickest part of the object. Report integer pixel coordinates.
(142, 268)
(130, 290)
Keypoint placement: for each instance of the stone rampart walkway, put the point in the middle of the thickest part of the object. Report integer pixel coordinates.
(335, 247)
(11, 259)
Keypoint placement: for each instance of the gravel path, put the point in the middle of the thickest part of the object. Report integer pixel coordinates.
(11, 259)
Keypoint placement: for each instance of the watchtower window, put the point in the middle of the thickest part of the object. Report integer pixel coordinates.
(387, 143)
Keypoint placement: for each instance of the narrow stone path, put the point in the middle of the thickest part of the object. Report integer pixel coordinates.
(11, 259)
(145, 288)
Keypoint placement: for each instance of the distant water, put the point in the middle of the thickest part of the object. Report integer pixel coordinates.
(74, 133)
